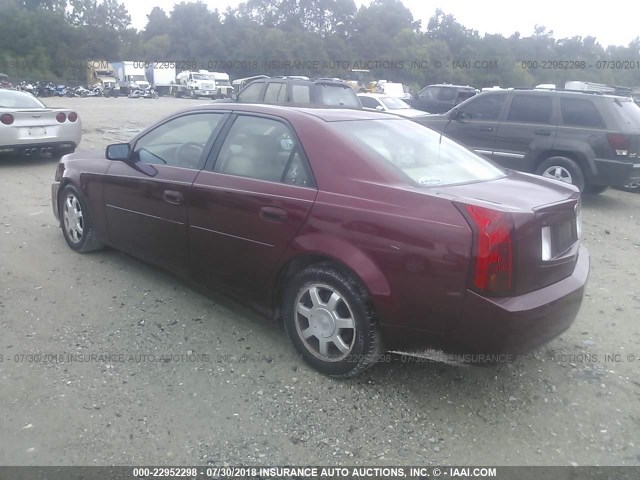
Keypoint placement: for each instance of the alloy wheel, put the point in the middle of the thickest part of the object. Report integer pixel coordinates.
(324, 322)
(73, 219)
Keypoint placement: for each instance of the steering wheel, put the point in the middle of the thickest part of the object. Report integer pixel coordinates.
(188, 155)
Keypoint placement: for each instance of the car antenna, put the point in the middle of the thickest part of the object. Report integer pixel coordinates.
(451, 114)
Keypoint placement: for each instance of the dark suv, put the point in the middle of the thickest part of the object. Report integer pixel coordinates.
(441, 98)
(300, 92)
(589, 140)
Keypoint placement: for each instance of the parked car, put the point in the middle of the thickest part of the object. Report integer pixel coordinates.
(589, 140)
(29, 128)
(384, 103)
(360, 230)
(441, 98)
(300, 91)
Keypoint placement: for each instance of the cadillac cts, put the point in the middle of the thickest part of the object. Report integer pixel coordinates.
(361, 231)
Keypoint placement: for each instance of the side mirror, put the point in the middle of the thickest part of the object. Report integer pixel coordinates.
(380, 108)
(234, 97)
(118, 151)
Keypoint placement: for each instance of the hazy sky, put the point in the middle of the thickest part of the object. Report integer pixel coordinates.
(615, 22)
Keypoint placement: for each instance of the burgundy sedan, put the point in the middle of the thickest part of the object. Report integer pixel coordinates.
(361, 231)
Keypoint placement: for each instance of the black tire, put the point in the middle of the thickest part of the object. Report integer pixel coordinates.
(567, 165)
(88, 241)
(353, 307)
(595, 189)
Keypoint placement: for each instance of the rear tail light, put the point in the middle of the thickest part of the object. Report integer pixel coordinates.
(73, 116)
(61, 117)
(6, 118)
(619, 143)
(493, 250)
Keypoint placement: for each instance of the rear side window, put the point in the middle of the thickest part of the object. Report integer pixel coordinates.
(263, 149)
(580, 113)
(300, 94)
(275, 93)
(446, 94)
(251, 93)
(464, 94)
(530, 109)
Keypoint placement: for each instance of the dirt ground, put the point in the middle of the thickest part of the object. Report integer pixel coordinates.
(182, 377)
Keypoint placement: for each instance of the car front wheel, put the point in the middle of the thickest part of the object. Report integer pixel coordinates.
(330, 321)
(76, 222)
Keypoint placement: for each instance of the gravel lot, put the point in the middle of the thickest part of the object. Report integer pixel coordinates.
(232, 390)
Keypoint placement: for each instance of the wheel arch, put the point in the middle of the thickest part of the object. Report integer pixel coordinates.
(315, 249)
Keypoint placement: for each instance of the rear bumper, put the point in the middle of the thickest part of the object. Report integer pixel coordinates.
(44, 149)
(616, 173)
(512, 326)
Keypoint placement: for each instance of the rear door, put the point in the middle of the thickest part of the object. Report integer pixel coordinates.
(529, 127)
(249, 203)
(147, 196)
(478, 121)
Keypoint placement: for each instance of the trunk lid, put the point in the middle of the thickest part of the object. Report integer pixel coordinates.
(546, 224)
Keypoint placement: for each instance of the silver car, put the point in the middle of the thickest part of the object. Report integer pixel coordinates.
(30, 128)
(385, 103)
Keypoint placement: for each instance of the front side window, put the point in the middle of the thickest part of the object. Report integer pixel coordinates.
(419, 153)
(178, 142)
(530, 109)
(251, 93)
(485, 107)
(263, 149)
(275, 93)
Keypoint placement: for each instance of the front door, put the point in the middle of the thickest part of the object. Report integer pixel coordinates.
(477, 123)
(147, 196)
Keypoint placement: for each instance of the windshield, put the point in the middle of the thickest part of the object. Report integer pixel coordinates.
(338, 95)
(11, 99)
(418, 152)
(138, 78)
(201, 76)
(394, 103)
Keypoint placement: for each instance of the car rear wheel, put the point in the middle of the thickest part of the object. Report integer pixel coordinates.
(77, 225)
(563, 169)
(329, 319)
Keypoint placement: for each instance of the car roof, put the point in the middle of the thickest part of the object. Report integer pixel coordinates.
(545, 91)
(468, 87)
(374, 95)
(328, 114)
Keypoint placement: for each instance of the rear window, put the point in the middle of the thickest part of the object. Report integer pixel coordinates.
(337, 96)
(9, 99)
(421, 154)
(630, 112)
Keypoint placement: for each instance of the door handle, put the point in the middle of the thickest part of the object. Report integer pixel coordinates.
(273, 214)
(173, 197)
(545, 133)
(486, 129)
